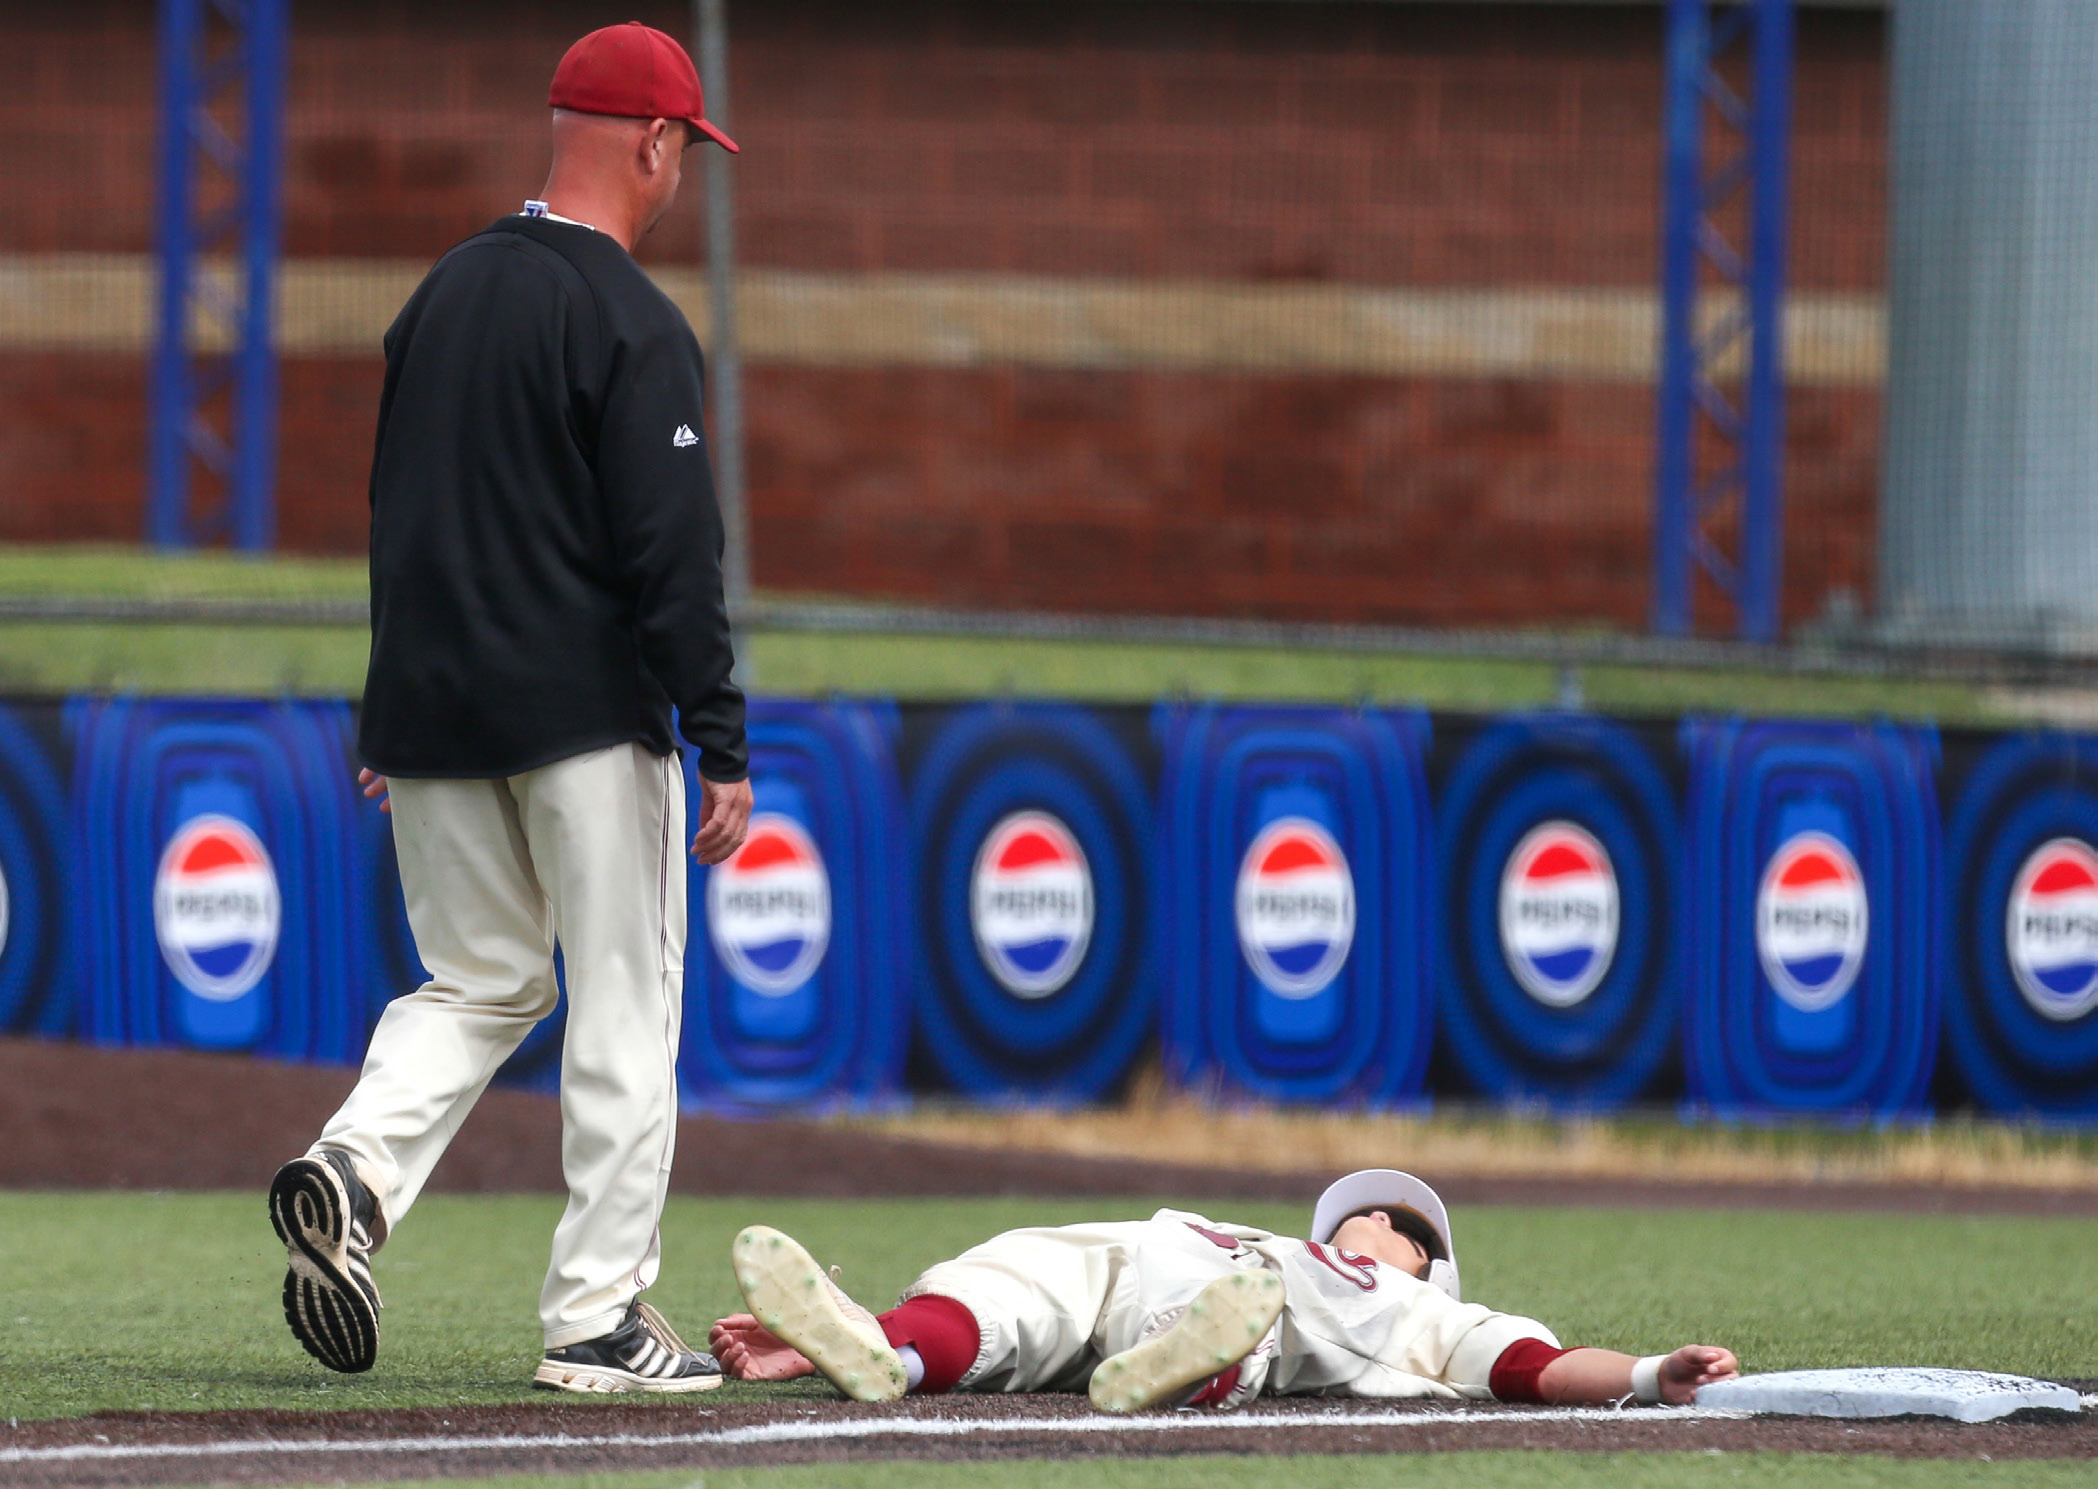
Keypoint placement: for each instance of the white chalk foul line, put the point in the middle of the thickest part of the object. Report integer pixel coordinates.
(792, 1432)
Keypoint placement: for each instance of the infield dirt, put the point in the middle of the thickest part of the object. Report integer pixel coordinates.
(289, 1447)
(78, 1117)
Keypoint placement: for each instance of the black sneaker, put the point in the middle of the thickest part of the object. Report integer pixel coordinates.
(324, 1216)
(642, 1354)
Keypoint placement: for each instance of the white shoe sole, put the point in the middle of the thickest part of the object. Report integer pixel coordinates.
(790, 1295)
(332, 1313)
(1220, 1328)
(600, 1380)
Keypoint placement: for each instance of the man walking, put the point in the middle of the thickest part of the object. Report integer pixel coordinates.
(546, 585)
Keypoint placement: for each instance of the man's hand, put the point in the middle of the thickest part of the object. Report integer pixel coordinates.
(1692, 1366)
(1597, 1377)
(724, 819)
(748, 1350)
(374, 786)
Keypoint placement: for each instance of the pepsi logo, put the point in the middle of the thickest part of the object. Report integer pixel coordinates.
(1296, 907)
(1811, 919)
(768, 907)
(1031, 904)
(1558, 913)
(216, 909)
(2051, 929)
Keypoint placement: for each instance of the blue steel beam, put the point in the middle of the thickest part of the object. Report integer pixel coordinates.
(211, 449)
(1719, 461)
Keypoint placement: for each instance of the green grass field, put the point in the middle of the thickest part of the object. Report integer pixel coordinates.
(142, 1302)
(328, 660)
(1362, 1471)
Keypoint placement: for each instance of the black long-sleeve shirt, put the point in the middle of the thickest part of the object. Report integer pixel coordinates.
(546, 547)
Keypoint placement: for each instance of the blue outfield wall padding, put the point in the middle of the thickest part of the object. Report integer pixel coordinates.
(795, 952)
(37, 898)
(2018, 935)
(1814, 868)
(1758, 918)
(217, 850)
(1297, 858)
(1558, 846)
(1035, 904)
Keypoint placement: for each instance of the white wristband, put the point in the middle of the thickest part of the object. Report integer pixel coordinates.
(1646, 1380)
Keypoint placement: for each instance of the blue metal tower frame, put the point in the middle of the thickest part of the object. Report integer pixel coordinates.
(1741, 435)
(214, 396)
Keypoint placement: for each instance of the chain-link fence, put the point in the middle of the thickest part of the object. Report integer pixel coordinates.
(1292, 311)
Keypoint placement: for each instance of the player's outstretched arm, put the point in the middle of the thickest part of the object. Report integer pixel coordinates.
(1596, 1377)
(750, 1351)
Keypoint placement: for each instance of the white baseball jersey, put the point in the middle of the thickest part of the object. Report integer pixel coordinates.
(1052, 1303)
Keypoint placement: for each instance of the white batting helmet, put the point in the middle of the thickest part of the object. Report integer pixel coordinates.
(1406, 1199)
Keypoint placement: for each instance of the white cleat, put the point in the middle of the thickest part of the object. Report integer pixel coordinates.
(790, 1295)
(1220, 1328)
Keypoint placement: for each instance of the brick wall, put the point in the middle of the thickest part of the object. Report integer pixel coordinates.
(1300, 499)
(1414, 144)
(1403, 143)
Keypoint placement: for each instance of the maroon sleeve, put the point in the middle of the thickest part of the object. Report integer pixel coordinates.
(1515, 1373)
(945, 1334)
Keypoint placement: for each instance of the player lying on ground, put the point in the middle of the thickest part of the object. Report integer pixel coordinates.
(1182, 1310)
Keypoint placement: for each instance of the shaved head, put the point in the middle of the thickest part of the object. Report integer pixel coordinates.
(620, 175)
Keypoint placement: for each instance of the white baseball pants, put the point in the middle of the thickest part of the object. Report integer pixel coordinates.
(587, 851)
(1052, 1302)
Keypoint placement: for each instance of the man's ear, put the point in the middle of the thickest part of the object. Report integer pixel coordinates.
(655, 144)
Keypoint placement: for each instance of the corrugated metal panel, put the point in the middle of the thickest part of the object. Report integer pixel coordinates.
(1989, 500)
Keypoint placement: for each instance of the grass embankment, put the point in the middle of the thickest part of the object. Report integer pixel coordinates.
(1170, 1128)
(328, 660)
(1503, 1470)
(178, 1308)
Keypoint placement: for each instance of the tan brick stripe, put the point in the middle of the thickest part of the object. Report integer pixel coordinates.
(341, 307)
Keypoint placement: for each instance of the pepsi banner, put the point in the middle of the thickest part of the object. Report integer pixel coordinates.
(2020, 940)
(221, 899)
(1814, 867)
(1558, 844)
(1297, 853)
(1032, 900)
(1035, 898)
(794, 960)
(37, 888)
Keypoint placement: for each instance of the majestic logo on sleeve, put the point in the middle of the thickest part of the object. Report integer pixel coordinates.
(768, 907)
(216, 908)
(1811, 919)
(1296, 907)
(1031, 904)
(684, 438)
(2051, 929)
(1558, 913)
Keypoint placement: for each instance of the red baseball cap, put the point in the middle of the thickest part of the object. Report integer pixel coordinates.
(635, 72)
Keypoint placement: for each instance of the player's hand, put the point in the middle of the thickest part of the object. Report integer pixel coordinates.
(374, 786)
(748, 1350)
(1692, 1366)
(724, 819)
